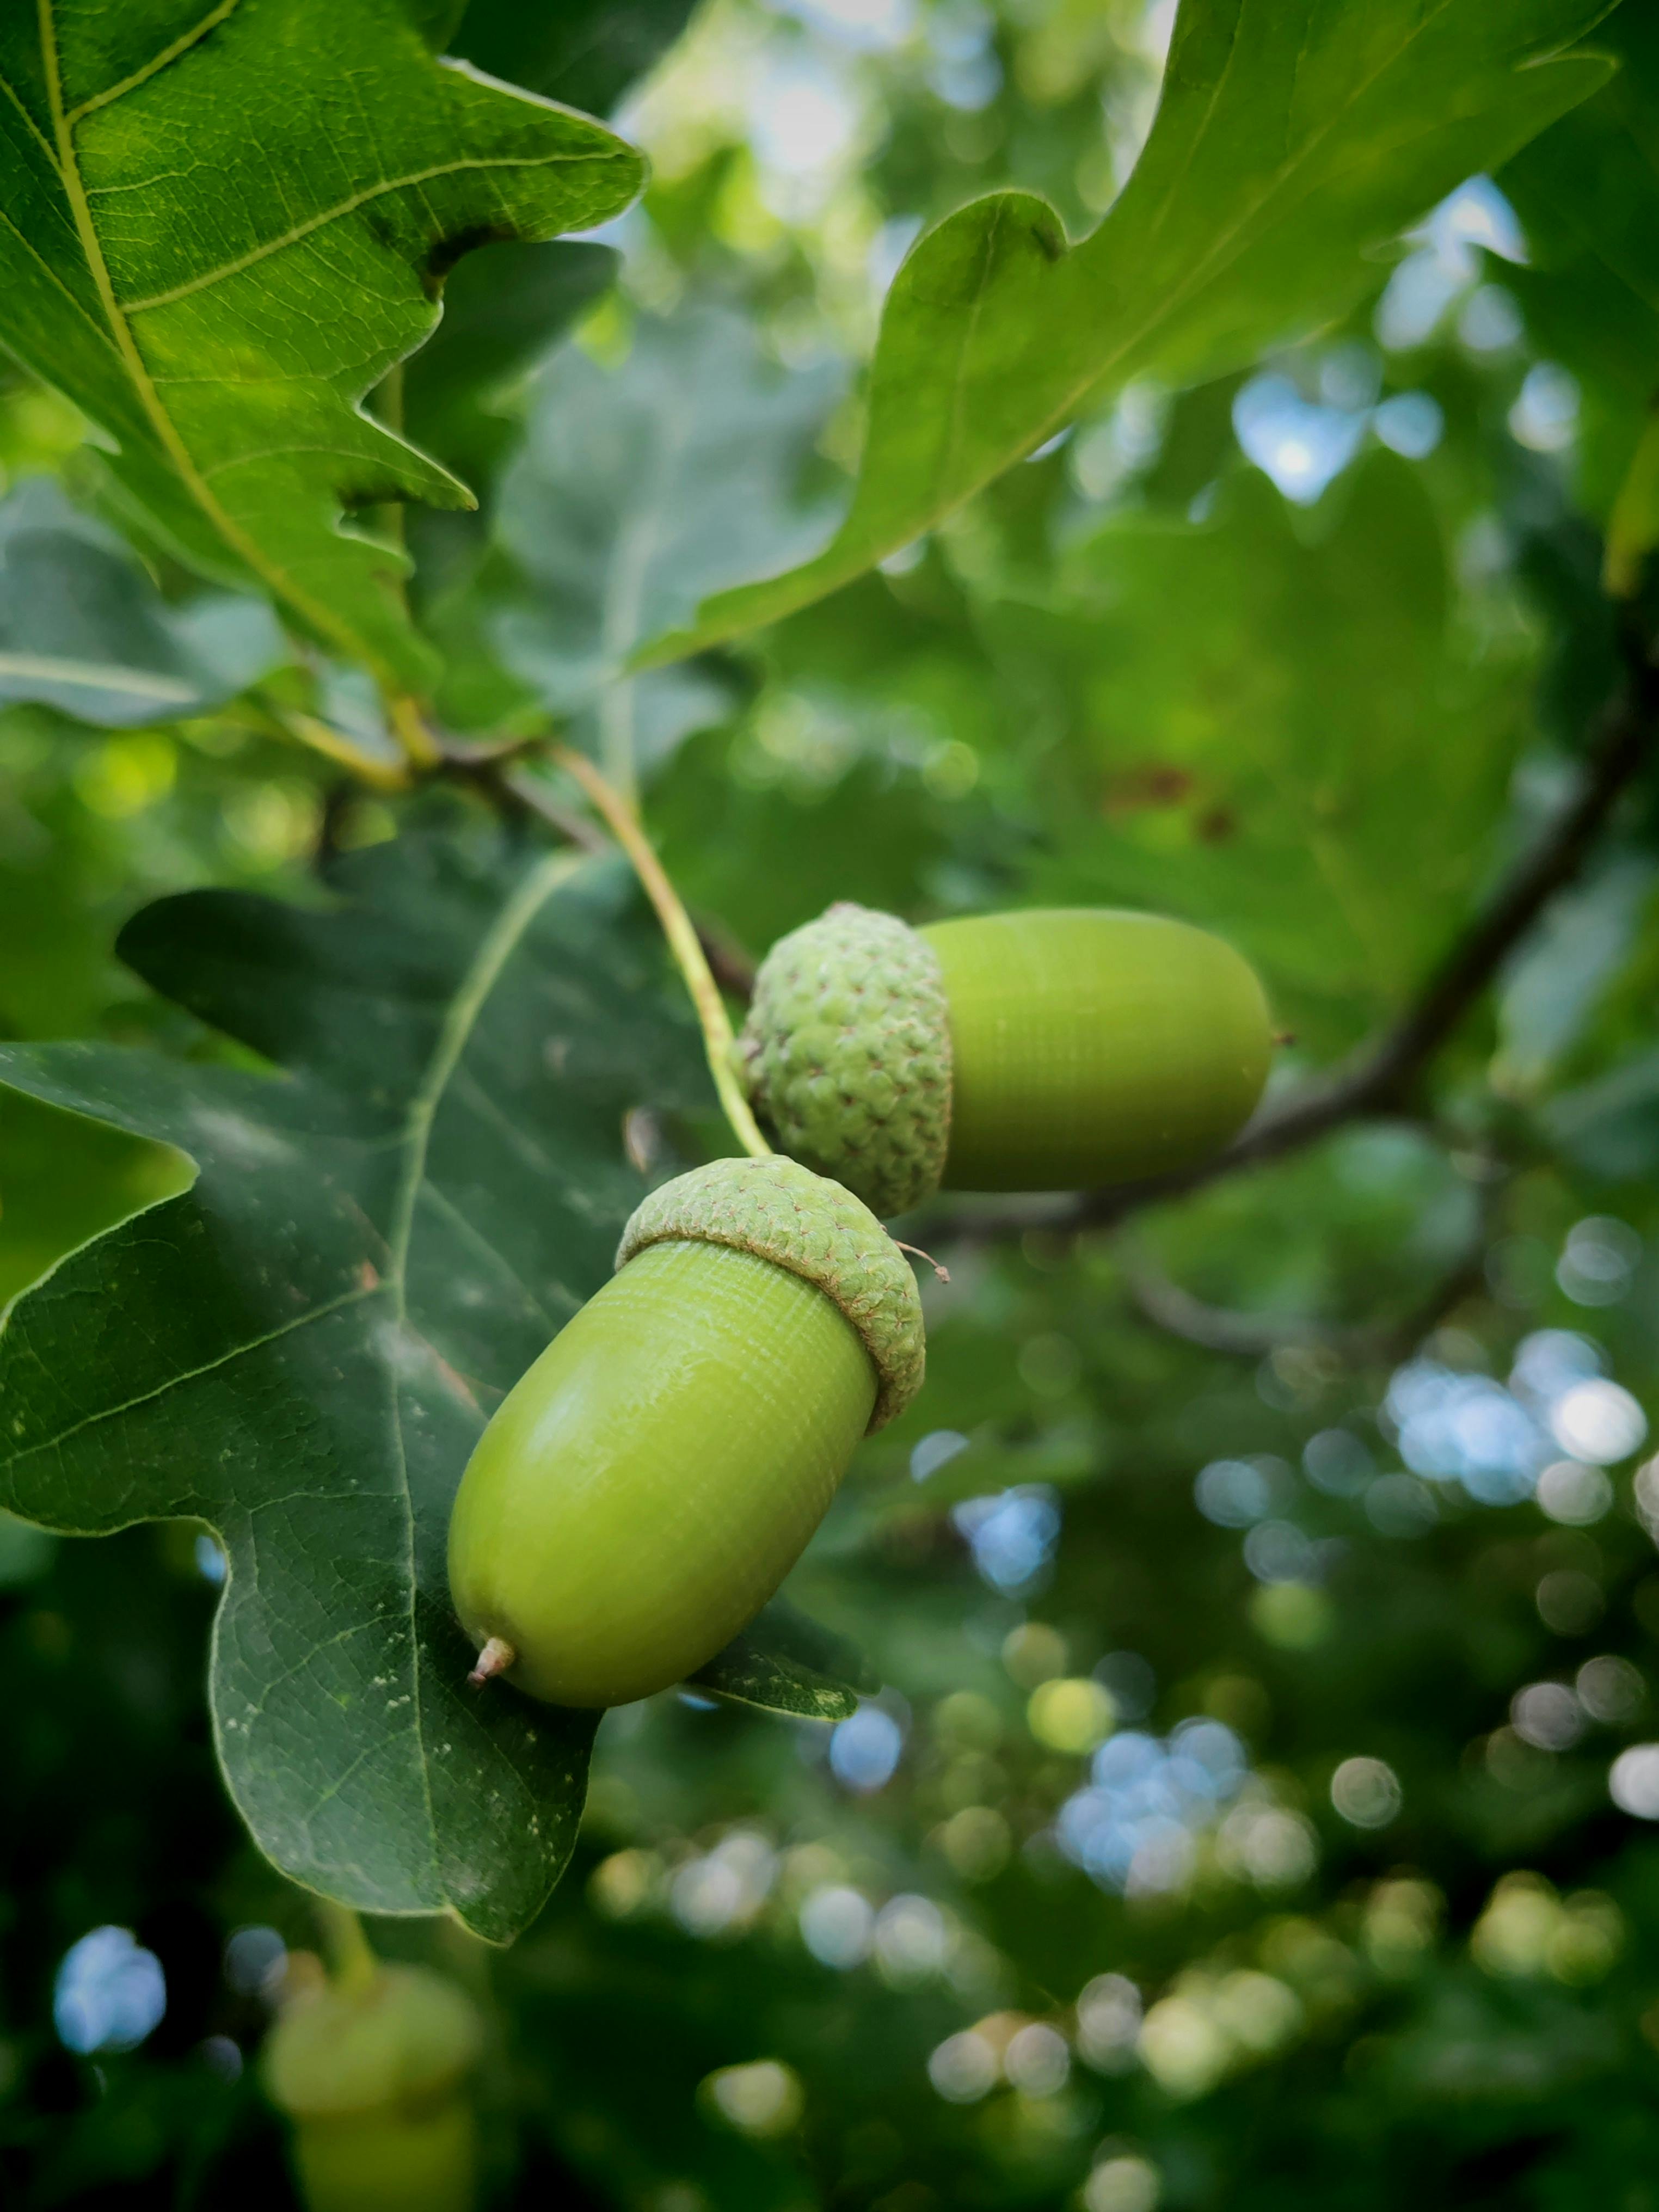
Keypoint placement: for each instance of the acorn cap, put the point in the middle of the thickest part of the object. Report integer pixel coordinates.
(409, 2035)
(782, 1212)
(847, 1054)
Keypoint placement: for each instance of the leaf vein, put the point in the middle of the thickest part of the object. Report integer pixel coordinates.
(181, 45)
(209, 277)
(187, 1376)
(497, 945)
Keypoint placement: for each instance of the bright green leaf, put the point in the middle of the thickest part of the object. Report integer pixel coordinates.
(64, 1180)
(222, 226)
(1293, 140)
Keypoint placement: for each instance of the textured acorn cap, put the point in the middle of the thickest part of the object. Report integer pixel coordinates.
(782, 1212)
(409, 2035)
(847, 1054)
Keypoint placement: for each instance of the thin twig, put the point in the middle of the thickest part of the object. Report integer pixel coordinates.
(731, 967)
(1383, 1078)
(1255, 1336)
(532, 794)
(683, 942)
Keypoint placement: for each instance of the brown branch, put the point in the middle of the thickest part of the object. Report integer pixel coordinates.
(1384, 1078)
(531, 796)
(1255, 1336)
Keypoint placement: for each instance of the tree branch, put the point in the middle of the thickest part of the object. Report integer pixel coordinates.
(1382, 1078)
(1254, 1336)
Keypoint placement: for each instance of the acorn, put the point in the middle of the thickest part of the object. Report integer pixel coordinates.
(1048, 1050)
(376, 2078)
(643, 1489)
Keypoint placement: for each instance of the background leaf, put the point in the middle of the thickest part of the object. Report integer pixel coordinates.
(1260, 767)
(784, 1662)
(638, 489)
(1587, 191)
(584, 52)
(504, 305)
(300, 1350)
(221, 319)
(64, 1180)
(1320, 131)
(84, 629)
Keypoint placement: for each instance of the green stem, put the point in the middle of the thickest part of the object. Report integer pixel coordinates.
(352, 1966)
(683, 942)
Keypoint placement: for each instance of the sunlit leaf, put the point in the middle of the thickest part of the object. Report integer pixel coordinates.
(1291, 142)
(222, 226)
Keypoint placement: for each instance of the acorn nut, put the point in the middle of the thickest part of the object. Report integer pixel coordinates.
(375, 2079)
(642, 1491)
(1045, 1050)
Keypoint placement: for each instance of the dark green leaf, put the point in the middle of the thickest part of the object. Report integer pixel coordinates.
(503, 306)
(1260, 764)
(585, 53)
(786, 1664)
(1587, 191)
(220, 317)
(1292, 141)
(436, 21)
(302, 1349)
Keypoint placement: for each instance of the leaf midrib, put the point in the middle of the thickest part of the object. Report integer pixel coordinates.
(499, 942)
(191, 1375)
(90, 676)
(276, 578)
(1227, 240)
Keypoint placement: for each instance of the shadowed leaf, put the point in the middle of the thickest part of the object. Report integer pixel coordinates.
(301, 1349)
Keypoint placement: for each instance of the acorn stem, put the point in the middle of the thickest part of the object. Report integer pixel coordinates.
(352, 1966)
(683, 942)
(944, 1274)
(495, 1658)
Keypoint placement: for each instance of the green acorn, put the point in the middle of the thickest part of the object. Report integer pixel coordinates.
(374, 2076)
(642, 1491)
(1048, 1050)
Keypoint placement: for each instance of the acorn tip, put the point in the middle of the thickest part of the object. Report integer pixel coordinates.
(495, 1658)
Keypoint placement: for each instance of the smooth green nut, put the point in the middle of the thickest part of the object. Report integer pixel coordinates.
(642, 1491)
(376, 2083)
(1045, 1050)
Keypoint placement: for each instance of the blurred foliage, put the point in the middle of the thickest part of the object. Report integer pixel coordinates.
(1257, 1808)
